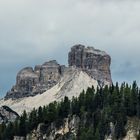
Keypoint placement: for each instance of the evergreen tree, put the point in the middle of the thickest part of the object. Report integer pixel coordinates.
(23, 124)
(95, 109)
(40, 117)
(97, 134)
(32, 119)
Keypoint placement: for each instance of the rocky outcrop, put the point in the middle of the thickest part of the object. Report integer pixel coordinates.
(7, 114)
(19, 138)
(94, 62)
(30, 82)
(66, 131)
(132, 130)
(72, 83)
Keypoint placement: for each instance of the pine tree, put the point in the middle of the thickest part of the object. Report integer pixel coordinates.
(32, 119)
(40, 118)
(23, 124)
(97, 135)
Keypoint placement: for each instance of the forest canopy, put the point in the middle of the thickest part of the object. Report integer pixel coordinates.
(100, 107)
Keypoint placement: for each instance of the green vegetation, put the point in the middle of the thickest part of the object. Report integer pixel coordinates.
(99, 108)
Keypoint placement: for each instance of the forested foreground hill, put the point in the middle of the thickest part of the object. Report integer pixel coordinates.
(107, 113)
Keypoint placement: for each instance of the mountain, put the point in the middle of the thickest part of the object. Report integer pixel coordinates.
(94, 62)
(72, 83)
(78, 102)
(109, 113)
(30, 82)
(52, 82)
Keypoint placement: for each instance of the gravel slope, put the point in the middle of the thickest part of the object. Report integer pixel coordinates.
(71, 84)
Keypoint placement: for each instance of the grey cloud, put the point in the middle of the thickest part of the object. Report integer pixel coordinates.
(33, 31)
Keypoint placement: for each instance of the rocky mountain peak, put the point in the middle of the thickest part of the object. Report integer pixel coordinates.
(51, 63)
(32, 81)
(26, 73)
(94, 62)
(77, 47)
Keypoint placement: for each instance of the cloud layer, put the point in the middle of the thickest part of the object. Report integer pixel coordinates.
(33, 31)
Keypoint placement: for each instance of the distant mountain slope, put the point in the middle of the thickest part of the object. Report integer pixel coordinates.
(72, 83)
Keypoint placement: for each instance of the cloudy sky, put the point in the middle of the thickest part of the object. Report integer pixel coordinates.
(34, 31)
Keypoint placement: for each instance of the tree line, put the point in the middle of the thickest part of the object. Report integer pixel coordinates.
(99, 108)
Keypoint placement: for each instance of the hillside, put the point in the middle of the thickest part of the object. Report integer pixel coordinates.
(71, 84)
(110, 113)
(78, 102)
(51, 81)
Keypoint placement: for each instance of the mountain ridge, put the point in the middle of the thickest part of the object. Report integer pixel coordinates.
(71, 84)
(58, 102)
(33, 81)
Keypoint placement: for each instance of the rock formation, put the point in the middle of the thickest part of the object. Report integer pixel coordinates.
(7, 114)
(94, 62)
(69, 129)
(31, 82)
(72, 83)
(44, 132)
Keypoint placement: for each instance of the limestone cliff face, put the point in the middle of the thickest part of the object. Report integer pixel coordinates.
(95, 62)
(72, 83)
(30, 82)
(67, 131)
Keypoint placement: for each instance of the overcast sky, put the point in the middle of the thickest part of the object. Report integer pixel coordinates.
(35, 31)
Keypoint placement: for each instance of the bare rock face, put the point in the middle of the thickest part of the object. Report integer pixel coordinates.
(94, 62)
(50, 73)
(67, 131)
(7, 114)
(18, 138)
(30, 82)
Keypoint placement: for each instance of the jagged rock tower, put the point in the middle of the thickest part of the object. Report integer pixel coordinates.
(94, 62)
(30, 82)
